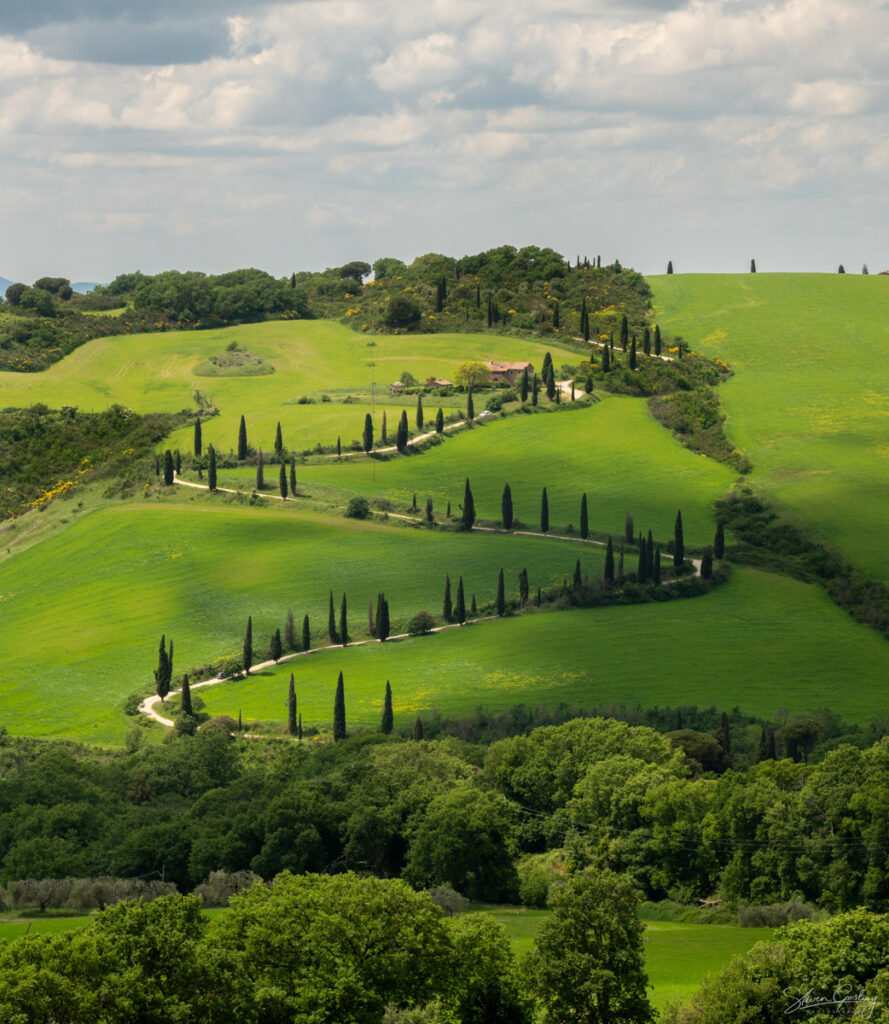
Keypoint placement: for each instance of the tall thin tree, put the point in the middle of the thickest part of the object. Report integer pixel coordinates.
(609, 564)
(468, 520)
(447, 608)
(331, 621)
(307, 634)
(292, 726)
(419, 420)
(247, 648)
(506, 508)
(544, 512)
(290, 631)
(339, 711)
(282, 481)
(260, 478)
(678, 542)
(279, 440)
(211, 470)
(387, 720)
(198, 442)
(344, 622)
(584, 518)
(500, 603)
(293, 474)
(367, 439)
(460, 606)
(242, 440)
(185, 698)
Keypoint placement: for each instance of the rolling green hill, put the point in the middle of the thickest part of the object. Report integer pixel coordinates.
(809, 402)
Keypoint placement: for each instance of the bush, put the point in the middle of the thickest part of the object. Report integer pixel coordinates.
(773, 915)
(537, 873)
(222, 885)
(448, 899)
(358, 508)
(422, 622)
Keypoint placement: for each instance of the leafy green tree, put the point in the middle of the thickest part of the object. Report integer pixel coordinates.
(402, 312)
(339, 711)
(584, 518)
(292, 727)
(367, 440)
(420, 420)
(609, 564)
(401, 436)
(168, 468)
(275, 648)
(307, 634)
(678, 542)
(344, 623)
(279, 440)
(468, 520)
(544, 512)
(506, 508)
(447, 605)
(388, 718)
(290, 631)
(242, 440)
(260, 476)
(588, 962)
(282, 481)
(247, 649)
(198, 443)
(460, 605)
(719, 541)
(331, 621)
(500, 603)
(439, 421)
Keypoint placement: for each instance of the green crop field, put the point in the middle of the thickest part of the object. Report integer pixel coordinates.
(677, 956)
(762, 642)
(155, 373)
(809, 403)
(614, 450)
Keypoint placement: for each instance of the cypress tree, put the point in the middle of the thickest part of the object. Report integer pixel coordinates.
(577, 580)
(474, 609)
(292, 726)
(344, 622)
(490, 312)
(211, 470)
(633, 353)
(620, 562)
(539, 597)
(478, 297)
(332, 634)
(299, 727)
(198, 442)
(446, 606)
(367, 439)
(247, 649)
(157, 465)
(841, 269)
(864, 269)
(588, 384)
(177, 462)
(418, 729)
(339, 448)
(556, 315)
(506, 508)
(282, 481)
(260, 477)
(162, 673)
(293, 474)
(439, 421)
(523, 587)
(307, 634)
(275, 649)
(719, 541)
(402, 434)
(642, 568)
(678, 542)
(470, 406)
(628, 528)
(240, 722)
(544, 512)
(584, 518)
(448, 513)
(290, 631)
(657, 340)
(242, 440)
(646, 341)
(525, 385)
(656, 570)
(535, 388)
(606, 360)
(649, 550)
(501, 595)
(460, 606)
(468, 508)
(707, 564)
(609, 564)
(339, 711)
(185, 698)
(383, 627)
(624, 332)
(753, 266)
(669, 266)
(414, 502)
(388, 718)
(279, 440)
(170, 665)
(168, 468)
(373, 620)
(420, 420)
(430, 518)
(550, 383)
(383, 436)
(547, 363)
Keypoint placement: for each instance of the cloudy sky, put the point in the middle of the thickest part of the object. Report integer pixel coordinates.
(211, 134)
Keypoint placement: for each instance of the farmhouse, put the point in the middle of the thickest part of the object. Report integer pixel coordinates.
(509, 372)
(435, 382)
(397, 386)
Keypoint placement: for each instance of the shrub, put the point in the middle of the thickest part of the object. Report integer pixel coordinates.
(537, 873)
(421, 623)
(773, 915)
(358, 508)
(448, 899)
(222, 885)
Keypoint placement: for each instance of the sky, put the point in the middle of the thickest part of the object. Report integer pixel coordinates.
(214, 134)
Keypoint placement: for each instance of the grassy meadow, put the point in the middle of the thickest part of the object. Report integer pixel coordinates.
(809, 402)
(155, 373)
(614, 450)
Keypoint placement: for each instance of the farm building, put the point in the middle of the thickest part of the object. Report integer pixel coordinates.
(435, 382)
(509, 372)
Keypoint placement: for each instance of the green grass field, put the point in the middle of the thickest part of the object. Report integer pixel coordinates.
(763, 642)
(677, 956)
(810, 399)
(12, 927)
(155, 373)
(614, 450)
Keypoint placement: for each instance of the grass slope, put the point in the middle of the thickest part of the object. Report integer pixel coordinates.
(810, 399)
(155, 373)
(614, 450)
(762, 642)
